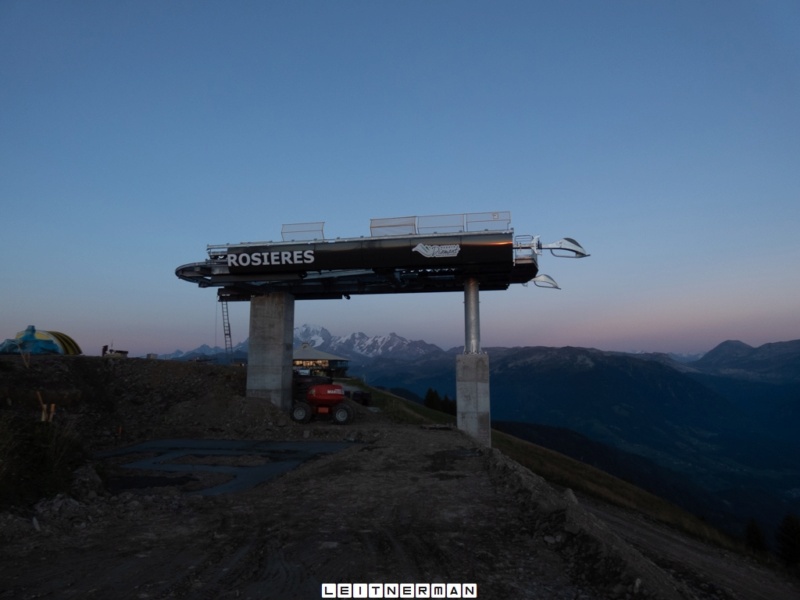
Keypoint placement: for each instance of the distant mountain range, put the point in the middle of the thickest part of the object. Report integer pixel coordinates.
(716, 434)
(357, 347)
(773, 363)
(360, 348)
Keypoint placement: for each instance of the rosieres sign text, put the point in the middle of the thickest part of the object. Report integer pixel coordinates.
(370, 255)
(257, 259)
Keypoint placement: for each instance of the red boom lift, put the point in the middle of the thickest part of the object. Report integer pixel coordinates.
(321, 399)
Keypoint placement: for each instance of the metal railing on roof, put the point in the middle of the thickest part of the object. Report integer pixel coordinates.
(453, 223)
(415, 225)
(295, 232)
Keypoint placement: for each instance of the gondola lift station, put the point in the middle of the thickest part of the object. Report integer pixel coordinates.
(465, 253)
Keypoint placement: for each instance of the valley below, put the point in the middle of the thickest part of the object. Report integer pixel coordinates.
(716, 436)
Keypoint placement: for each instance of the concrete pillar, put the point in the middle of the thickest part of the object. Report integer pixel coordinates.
(269, 363)
(472, 318)
(472, 397)
(472, 374)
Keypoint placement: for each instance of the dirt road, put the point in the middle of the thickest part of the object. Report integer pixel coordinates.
(401, 504)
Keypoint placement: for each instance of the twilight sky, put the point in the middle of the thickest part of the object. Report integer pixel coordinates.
(663, 135)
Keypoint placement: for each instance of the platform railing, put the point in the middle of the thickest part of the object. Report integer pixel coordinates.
(525, 248)
(431, 224)
(393, 226)
(295, 232)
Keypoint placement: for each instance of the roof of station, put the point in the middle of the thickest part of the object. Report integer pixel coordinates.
(402, 255)
(308, 352)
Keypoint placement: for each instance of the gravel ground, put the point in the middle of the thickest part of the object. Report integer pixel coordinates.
(399, 504)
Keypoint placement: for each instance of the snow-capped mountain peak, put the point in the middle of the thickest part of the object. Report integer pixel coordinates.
(360, 345)
(313, 335)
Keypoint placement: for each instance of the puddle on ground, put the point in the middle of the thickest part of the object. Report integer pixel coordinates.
(231, 465)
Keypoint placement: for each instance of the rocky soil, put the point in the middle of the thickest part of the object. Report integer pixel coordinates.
(401, 503)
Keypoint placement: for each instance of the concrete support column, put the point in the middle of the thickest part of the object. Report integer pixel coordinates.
(472, 317)
(269, 364)
(472, 397)
(472, 374)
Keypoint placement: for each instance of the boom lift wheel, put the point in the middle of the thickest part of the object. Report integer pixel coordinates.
(302, 412)
(342, 414)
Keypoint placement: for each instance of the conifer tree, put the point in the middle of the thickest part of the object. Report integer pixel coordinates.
(448, 406)
(788, 538)
(433, 400)
(754, 537)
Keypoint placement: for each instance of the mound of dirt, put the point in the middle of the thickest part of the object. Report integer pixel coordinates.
(395, 504)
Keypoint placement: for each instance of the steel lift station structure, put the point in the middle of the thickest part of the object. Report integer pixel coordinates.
(441, 253)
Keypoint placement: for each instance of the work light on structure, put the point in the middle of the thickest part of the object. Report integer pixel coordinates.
(545, 281)
(563, 248)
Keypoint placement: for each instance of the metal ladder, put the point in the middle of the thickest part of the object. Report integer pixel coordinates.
(226, 327)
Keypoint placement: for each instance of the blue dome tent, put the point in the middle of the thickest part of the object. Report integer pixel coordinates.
(32, 341)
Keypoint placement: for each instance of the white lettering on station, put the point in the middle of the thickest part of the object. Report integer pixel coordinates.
(258, 259)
